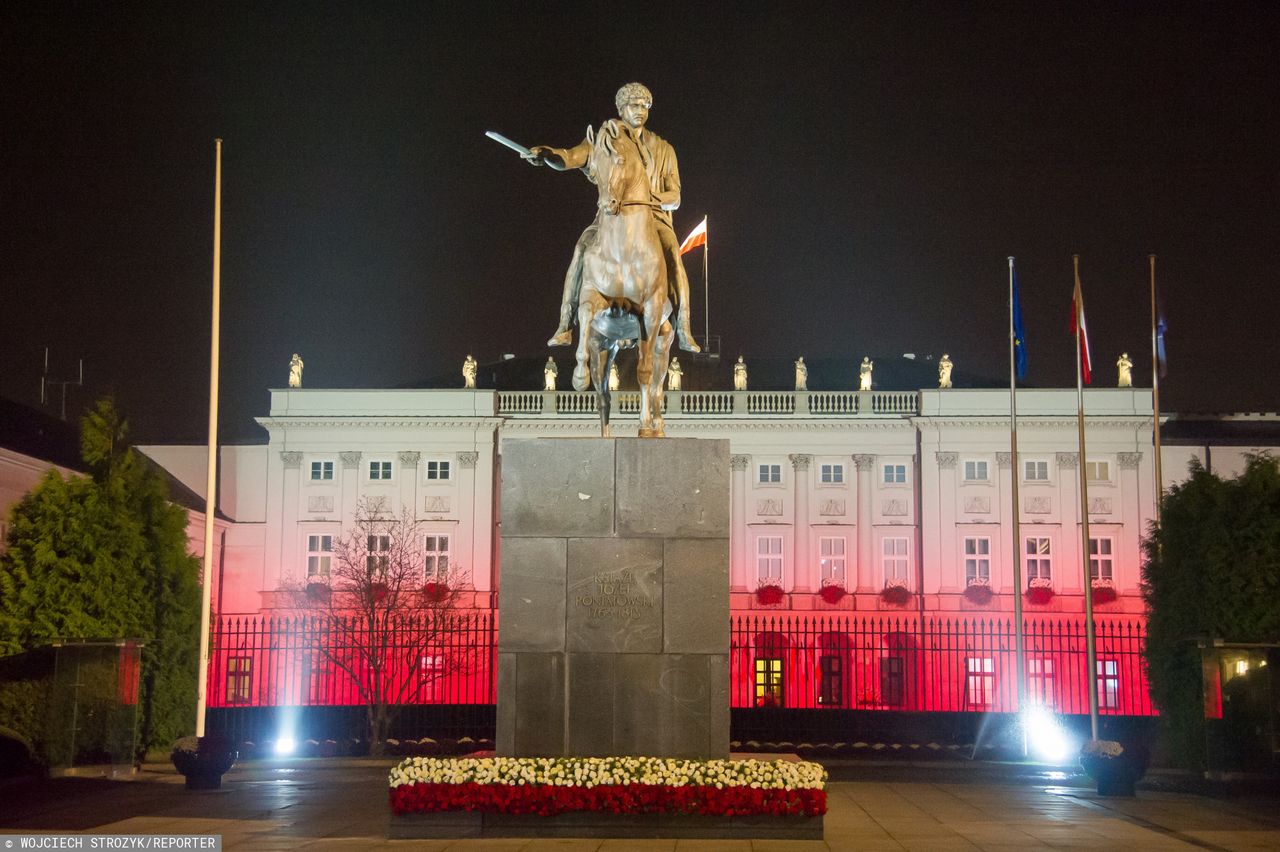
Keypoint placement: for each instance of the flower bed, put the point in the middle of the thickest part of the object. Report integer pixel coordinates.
(619, 785)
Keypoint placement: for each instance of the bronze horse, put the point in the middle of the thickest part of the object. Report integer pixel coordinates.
(624, 302)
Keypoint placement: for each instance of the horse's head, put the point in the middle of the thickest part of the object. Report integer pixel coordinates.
(618, 167)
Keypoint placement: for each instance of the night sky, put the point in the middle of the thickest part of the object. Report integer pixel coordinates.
(866, 168)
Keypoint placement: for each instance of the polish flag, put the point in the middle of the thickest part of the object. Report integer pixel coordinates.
(697, 237)
(1078, 327)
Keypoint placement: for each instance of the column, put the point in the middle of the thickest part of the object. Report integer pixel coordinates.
(475, 511)
(1071, 575)
(289, 560)
(1129, 556)
(739, 557)
(350, 485)
(1004, 462)
(866, 561)
(804, 580)
(409, 476)
(950, 561)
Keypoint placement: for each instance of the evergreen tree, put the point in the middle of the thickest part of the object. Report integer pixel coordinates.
(1212, 570)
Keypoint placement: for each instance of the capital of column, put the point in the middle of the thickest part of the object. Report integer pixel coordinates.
(739, 462)
(947, 461)
(1004, 460)
(864, 461)
(1129, 461)
(292, 460)
(468, 460)
(350, 460)
(409, 458)
(1067, 461)
(800, 461)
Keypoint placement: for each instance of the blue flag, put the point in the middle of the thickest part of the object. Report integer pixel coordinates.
(1019, 336)
(1161, 328)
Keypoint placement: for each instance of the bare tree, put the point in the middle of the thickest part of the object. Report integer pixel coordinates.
(379, 607)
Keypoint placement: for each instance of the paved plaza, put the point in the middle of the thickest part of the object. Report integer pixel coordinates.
(342, 804)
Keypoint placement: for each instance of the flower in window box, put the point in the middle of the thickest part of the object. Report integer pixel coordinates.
(1103, 590)
(769, 594)
(832, 592)
(318, 591)
(895, 592)
(978, 591)
(378, 591)
(1040, 591)
(435, 591)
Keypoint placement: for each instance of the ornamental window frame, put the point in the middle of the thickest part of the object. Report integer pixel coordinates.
(894, 473)
(831, 474)
(1098, 472)
(321, 471)
(768, 558)
(977, 559)
(1108, 683)
(895, 554)
(833, 561)
(1037, 557)
(976, 471)
(437, 556)
(319, 558)
(769, 474)
(437, 470)
(380, 471)
(979, 682)
(1102, 558)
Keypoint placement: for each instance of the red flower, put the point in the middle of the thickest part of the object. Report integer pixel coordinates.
(832, 593)
(378, 591)
(896, 595)
(978, 593)
(435, 592)
(1039, 595)
(1104, 594)
(769, 594)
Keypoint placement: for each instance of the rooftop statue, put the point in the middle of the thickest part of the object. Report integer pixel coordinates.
(469, 372)
(740, 375)
(864, 374)
(615, 381)
(674, 374)
(944, 371)
(295, 371)
(1124, 369)
(549, 374)
(802, 375)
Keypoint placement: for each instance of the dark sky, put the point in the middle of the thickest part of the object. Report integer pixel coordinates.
(867, 168)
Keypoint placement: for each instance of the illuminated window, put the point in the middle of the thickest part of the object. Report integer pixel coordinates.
(1108, 684)
(239, 677)
(321, 471)
(831, 474)
(980, 681)
(895, 474)
(436, 550)
(1041, 681)
(769, 474)
(975, 471)
(831, 680)
(893, 684)
(768, 682)
(769, 558)
(379, 553)
(1035, 471)
(1039, 559)
(977, 560)
(380, 470)
(1100, 559)
(1098, 471)
(893, 554)
(319, 555)
(438, 471)
(831, 559)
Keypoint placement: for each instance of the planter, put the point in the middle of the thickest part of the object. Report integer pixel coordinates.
(203, 760)
(1115, 776)
(896, 595)
(435, 592)
(832, 594)
(1039, 595)
(769, 595)
(1103, 594)
(378, 591)
(319, 591)
(978, 593)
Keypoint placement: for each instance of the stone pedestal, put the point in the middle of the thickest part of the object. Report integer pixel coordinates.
(613, 631)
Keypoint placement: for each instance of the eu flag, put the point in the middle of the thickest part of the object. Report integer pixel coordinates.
(1019, 336)
(1161, 328)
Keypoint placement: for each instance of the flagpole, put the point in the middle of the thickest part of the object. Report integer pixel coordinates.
(1091, 653)
(1155, 388)
(1017, 544)
(211, 464)
(706, 290)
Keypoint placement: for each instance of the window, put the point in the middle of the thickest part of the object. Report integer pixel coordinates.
(437, 470)
(768, 682)
(379, 550)
(770, 473)
(239, 677)
(831, 562)
(1100, 559)
(831, 680)
(831, 474)
(769, 557)
(322, 471)
(319, 555)
(317, 679)
(895, 474)
(380, 470)
(1098, 471)
(1039, 558)
(894, 559)
(436, 549)
(1040, 681)
(893, 679)
(977, 560)
(980, 681)
(1035, 471)
(1108, 683)
(975, 471)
